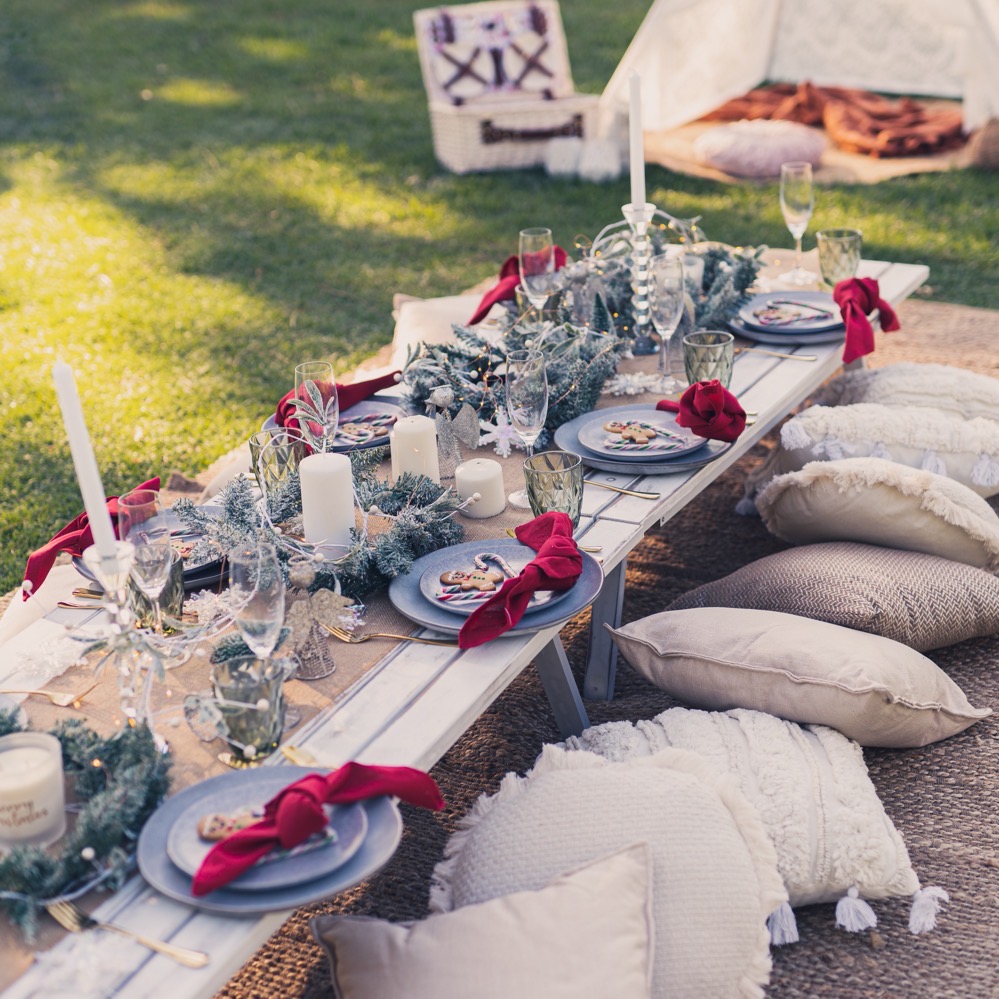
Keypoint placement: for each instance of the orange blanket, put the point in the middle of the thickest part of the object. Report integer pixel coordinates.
(858, 121)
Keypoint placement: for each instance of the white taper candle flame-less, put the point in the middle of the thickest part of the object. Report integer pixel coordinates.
(89, 478)
(414, 447)
(327, 499)
(636, 147)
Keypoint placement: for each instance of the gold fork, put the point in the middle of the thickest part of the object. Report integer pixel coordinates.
(621, 489)
(59, 700)
(582, 548)
(352, 639)
(76, 920)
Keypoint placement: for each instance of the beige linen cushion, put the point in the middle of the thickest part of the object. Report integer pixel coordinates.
(588, 932)
(810, 786)
(922, 601)
(758, 147)
(714, 874)
(907, 384)
(881, 503)
(871, 689)
(964, 450)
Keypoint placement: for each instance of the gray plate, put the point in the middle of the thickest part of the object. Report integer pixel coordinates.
(187, 849)
(356, 414)
(567, 438)
(384, 833)
(404, 591)
(819, 299)
(515, 554)
(787, 339)
(592, 434)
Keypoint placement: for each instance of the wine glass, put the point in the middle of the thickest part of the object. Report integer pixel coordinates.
(256, 589)
(666, 297)
(317, 406)
(526, 404)
(797, 201)
(150, 570)
(142, 517)
(537, 268)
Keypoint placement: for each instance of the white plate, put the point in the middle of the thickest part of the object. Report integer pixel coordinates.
(372, 412)
(671, 440)
(791, 312)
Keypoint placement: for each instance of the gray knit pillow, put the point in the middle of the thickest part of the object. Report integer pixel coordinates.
(922, 601)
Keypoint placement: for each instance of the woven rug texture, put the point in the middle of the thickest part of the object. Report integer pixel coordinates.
(944, 798)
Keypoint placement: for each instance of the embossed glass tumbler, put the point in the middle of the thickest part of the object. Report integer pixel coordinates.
(839, 254)
(708, 354)
(555, 482)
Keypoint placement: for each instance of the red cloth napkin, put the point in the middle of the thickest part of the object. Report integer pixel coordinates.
(296, 813)
(347, 396)
(857, 298)
(709, 410)
(75, 538)
(557, 567)
(509, 278)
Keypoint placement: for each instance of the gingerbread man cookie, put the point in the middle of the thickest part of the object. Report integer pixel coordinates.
(217, 826)
(363, 431)
(482, 580)
(638, 433)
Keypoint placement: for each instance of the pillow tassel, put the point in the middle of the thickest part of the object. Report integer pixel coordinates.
(783, 926)
(794, 436)
(986, 471)
(932, 462)
(926, 904)
(853, 914)
(880, 450)
(834, 448)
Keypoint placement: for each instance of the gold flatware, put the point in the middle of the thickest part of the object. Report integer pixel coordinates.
(582, 548)
(776, 353)
(59, 700)
(69, 917)
(352, 639)
(620, 489)
(84, 593)
(302, 758)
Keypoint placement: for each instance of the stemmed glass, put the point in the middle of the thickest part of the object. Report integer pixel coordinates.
(142, 521)
(797, 201)
(526, 404)
(150, 571)
(666, 295)
(317, 407)
(537, 268)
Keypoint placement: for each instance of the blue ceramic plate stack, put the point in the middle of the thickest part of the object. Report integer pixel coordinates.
(791, 318)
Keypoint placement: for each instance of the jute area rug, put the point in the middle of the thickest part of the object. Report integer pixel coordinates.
(944, 799)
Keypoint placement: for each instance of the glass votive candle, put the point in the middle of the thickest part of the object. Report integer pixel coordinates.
(32, 800)
(481, 477)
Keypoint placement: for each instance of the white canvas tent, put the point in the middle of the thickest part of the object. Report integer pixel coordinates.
(695, 54)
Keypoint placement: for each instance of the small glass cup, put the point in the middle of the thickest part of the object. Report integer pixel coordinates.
(32, 797)
(171, 598)
(274, 453)
(839, 254)
(555, 482)
(708, 354)
(249, 693)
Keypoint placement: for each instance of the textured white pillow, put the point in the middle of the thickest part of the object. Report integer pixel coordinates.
(810, 786)
(962, 449)
(871, 689)
(758, 147)
(714, 876)
(882, 503)
(937, 386)
(588, 932)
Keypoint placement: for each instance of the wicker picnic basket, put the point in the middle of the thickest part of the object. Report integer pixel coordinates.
(498, 83)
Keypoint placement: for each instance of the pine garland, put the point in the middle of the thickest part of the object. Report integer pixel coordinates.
(120, 782)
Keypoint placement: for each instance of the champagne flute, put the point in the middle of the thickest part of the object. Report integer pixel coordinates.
(150, 570)
(526, 404)
(141, 517)
(537, 268)
(666, 298)
(797, 201)
(317, 406)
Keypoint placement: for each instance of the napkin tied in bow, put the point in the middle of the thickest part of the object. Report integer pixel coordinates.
(557, 567)
(296, 813)
(506, 288)
(709, 410)
(347, 396)
(857, 298)
(74, 538)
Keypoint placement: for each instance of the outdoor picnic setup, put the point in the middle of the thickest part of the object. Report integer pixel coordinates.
(627, 626)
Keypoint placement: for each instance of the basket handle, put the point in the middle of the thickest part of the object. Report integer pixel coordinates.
(493, 134)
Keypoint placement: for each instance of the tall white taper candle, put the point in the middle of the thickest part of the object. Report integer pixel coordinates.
(94, 497)
(636, 149)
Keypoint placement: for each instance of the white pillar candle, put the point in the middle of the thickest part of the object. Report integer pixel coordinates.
(327, 499)
(94, 497)
(485, 477)
(636, 150)
(414, 447)
(32, 808)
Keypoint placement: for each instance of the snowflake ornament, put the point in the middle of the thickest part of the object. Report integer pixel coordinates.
(502, 434)
(636, 383)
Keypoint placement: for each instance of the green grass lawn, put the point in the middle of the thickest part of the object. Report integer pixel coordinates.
(196, 195)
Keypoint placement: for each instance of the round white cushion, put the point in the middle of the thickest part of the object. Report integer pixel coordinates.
(757, 148)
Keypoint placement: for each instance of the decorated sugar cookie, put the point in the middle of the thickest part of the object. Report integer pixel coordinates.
(637, 435)
(216, 826)
(482, 580)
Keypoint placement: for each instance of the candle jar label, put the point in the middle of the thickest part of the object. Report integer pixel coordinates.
(32, 802)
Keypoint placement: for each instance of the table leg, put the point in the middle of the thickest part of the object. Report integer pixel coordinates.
(601, 662)
(561, 689)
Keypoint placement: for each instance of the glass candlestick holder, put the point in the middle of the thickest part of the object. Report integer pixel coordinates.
(638, 218)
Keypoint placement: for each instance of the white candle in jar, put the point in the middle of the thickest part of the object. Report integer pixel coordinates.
(485, 477)
(94, 497)
(414, 447)
(327, 499)
(636, 151)
(32, 808)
